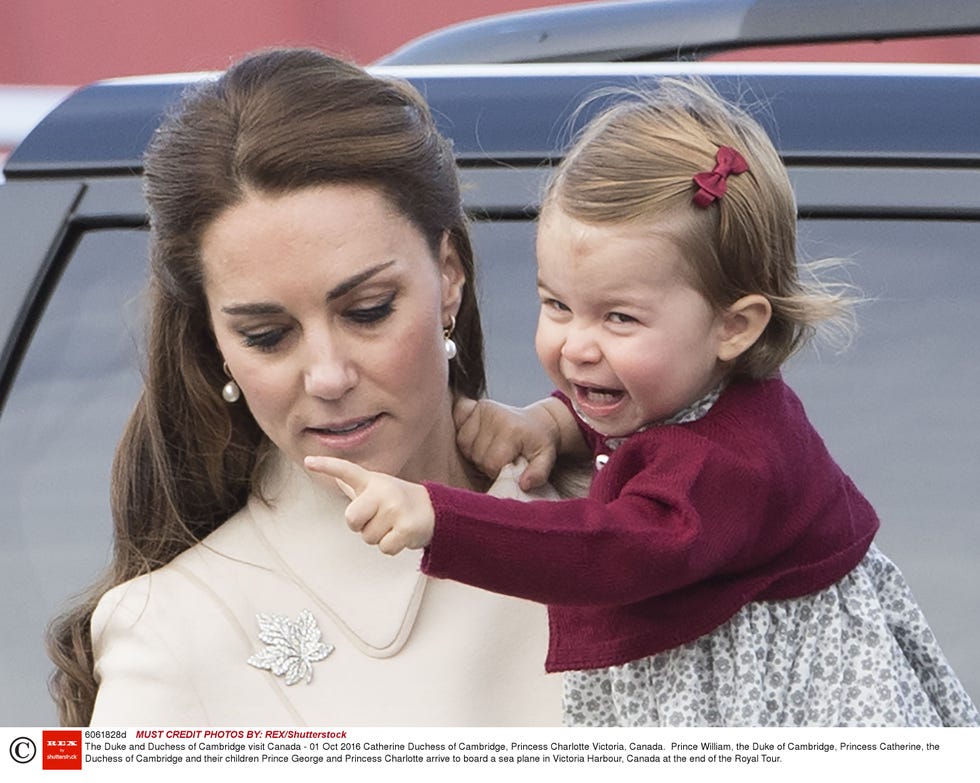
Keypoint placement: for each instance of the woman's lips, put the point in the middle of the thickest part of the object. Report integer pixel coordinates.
(346, 435)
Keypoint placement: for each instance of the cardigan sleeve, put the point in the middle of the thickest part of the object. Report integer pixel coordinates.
(648, 533)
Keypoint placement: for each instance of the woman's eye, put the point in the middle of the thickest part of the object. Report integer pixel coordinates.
(372, 314)
(265, 341)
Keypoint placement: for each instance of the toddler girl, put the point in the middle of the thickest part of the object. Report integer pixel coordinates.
(721, 570)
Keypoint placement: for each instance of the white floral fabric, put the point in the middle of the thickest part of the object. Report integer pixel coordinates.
(859, 653)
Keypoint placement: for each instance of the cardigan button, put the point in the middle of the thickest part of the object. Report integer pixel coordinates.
(600, 461)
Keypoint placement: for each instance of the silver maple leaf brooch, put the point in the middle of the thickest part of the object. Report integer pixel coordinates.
(292, 646)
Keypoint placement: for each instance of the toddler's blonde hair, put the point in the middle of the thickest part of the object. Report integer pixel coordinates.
(635, 163)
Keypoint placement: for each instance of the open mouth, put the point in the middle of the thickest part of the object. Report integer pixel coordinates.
(596, 396)
(345, 428)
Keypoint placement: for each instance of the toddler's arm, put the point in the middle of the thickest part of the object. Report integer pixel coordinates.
(492, 435)
(386, 511)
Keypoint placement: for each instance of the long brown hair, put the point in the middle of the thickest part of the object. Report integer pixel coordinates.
(277, 121)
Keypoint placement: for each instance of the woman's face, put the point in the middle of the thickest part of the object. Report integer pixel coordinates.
(328, 306)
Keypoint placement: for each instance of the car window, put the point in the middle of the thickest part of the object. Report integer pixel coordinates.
(508, 296)
(76, 386)
(896, 408)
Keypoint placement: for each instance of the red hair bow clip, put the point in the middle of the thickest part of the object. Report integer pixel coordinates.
(713, 184)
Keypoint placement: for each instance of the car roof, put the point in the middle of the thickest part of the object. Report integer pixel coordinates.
(521, 112)
(23, 106)
(680, 29)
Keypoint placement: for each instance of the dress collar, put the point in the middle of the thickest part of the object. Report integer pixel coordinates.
(686, 415)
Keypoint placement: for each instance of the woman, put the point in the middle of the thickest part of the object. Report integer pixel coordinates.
(311, 293)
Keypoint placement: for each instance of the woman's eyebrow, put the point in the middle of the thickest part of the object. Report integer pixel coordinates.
(254, 308)
(354, 281)
(271, 308)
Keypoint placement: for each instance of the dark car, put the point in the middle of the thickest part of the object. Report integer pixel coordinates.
(886, 165)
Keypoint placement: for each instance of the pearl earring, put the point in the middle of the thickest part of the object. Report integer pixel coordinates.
(230, 392)
(447, 341)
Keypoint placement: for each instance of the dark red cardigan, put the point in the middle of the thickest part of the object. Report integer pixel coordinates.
(685, 525)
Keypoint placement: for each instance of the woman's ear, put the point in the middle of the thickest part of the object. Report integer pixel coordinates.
(742, 324)
(453, 278)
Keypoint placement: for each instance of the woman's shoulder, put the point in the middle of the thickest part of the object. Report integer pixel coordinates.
(168, 590)
(158, 636)
(506, 484)
(568, 480)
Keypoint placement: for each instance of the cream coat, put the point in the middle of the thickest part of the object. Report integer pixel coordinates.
(171, 647)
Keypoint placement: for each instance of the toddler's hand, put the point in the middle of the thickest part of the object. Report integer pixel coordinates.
(386, 511)
(492, 435)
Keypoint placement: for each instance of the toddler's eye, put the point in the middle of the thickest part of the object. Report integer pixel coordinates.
(554, 304)
(621, 318)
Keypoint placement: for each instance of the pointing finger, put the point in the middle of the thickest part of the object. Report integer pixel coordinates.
(346, 488)
(352, 479)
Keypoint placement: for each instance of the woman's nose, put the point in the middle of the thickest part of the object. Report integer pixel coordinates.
(329, 373)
